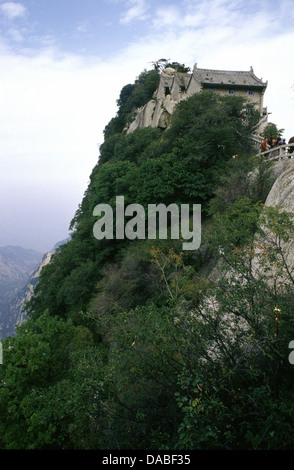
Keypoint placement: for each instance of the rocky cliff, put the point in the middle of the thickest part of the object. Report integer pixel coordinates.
(157, 112)
(282, 192)
(280, 195)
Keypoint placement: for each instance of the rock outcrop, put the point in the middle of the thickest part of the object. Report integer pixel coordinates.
(157, 112)
(282, 191)
(281, 195)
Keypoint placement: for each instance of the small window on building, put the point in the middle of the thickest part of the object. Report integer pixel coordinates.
(250, 92)
(231, 92)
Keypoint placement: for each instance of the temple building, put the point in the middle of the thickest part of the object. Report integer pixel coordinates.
(175, 86)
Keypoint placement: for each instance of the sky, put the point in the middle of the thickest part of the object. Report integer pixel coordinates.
(63, 64)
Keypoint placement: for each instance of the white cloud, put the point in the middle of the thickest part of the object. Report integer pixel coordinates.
(53, 112)
(13, 10)
(15, 34)
(167, 16)
(136, 11)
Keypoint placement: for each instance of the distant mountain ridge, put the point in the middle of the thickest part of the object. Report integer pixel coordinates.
(15, 314)
(16, 266)
(17, 261)
(19, 273)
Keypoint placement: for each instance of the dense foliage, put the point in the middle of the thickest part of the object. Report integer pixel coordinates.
(130, 344)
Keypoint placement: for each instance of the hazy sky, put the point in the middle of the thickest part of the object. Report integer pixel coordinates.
(63, 64)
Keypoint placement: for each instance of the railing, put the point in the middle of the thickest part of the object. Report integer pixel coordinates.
(257, 139)
(278, 152)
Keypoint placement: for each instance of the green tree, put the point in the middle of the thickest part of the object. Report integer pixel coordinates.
(239, 395)
(35, 358)
(272, 129)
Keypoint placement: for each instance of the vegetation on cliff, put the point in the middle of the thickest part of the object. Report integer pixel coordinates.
(129, 344)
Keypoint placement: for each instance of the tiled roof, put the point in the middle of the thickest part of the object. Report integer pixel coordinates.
(225, 77)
